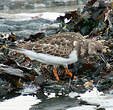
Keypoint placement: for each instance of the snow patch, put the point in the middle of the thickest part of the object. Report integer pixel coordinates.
(96, 97)
(83, 107)
(29, 16)
(73, 94)
(19, 103)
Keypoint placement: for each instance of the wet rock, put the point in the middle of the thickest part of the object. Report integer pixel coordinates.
(40, 80)
(82, 102)
(25, 33)
(40, 94)
(32, 4)
(27, 27)
(35, 37)
(105, 85)
(11, 71)
(101, 109)
(57, 103)
(4, 88)
(6, 28)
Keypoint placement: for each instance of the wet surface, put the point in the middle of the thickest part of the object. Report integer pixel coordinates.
(58, 103)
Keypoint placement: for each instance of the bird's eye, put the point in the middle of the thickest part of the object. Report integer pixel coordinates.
(99, 51)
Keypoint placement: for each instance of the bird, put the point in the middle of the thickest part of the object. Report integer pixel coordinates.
(60, 49)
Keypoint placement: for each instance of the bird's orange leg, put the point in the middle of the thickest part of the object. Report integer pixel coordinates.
(55, 73)
(69, 73)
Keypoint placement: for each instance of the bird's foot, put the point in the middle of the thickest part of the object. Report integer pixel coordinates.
(55, 74)
(70, 74)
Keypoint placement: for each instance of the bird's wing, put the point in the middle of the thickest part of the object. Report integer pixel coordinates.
(57, 46)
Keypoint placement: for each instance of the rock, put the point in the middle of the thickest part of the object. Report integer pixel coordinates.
(4, 88)
(11, 71)
(56, 103)
(27, 27)
(101, 109)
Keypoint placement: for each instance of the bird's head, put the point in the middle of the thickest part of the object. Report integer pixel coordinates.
(95, 48)
(89, 47)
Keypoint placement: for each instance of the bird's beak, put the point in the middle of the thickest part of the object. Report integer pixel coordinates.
(103, 58)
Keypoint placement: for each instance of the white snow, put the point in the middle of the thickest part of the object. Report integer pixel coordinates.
(96, 97)
(29, 16)
(19, 103)
(51, 15)
(73, 94)
(52, 95)
(45, 15)
(93, 97)
(29, 89)
(83, 107)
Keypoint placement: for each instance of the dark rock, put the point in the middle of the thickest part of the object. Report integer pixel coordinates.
(11, 71)
(105, 85)
(4, 88)
(39, 80)
(101, 109)
(57, 103)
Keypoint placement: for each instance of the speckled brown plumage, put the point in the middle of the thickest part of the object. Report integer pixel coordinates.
(58, 44)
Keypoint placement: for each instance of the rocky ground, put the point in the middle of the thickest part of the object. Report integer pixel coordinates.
(17, 71)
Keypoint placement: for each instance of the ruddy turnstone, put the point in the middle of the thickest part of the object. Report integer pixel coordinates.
(61, 49)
